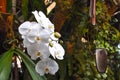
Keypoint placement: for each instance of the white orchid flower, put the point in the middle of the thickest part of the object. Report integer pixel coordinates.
(36, 50)
(44, 21)
(38, 35)
(46, 66)
(56, 50)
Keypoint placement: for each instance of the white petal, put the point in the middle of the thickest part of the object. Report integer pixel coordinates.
(40, 67)
(53, 67)
(42, 15)
(31, 39)
(33, 50)
(52, 51)
(24, 27)
(35, 28)
(38, 18)
(60, 49)
(57, 50)
(26, 43)
(45, 35)
(46, 23)
(44, 50)
(60, 57)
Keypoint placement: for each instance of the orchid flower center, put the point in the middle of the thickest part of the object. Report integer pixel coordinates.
(46, 70)
(37, 38)
(28, 31)
(57, 53)
(51, 27)
(38, 54)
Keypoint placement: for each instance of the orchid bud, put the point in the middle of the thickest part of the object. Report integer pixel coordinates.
(50, 44)
(57, 35)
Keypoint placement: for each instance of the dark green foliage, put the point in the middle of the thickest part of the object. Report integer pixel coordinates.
(25, 7)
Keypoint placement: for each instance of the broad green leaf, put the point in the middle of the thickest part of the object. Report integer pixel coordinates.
(30, 65)
(5, 64)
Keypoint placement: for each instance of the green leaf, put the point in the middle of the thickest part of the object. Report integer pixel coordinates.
(25, 9)
(62, 70)
(5, 64)
(30, 65)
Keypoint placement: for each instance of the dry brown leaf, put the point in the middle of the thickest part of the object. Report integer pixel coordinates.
(51, 7)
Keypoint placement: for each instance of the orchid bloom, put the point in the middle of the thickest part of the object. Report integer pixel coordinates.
(38, 35)
(34, 32)
(56, 50)
(46, 66)
(36, 50)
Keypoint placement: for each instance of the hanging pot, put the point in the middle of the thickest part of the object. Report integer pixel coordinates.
(101, 60)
